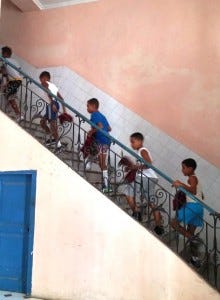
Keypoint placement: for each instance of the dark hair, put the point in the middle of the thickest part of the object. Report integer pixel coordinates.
(138, 136)
(45, 74)
(190, 162)
(94, 102)
(6, 50)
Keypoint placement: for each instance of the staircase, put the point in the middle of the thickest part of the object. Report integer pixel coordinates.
(204, 245)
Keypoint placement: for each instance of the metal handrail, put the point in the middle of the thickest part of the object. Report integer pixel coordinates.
(113, 140)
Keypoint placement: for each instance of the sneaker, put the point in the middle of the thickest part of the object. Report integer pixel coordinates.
(58, 149)
(194, 260)
(107, 190)
(88, 165)
(159, 230)
(137, 215)
(58, 145)
(20, 118)
(50, 142)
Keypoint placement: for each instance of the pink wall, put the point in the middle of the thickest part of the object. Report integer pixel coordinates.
(159, 58)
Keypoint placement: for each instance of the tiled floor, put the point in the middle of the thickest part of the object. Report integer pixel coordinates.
(13, 296)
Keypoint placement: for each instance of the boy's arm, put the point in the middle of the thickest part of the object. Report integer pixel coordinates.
(60, 97)
(3, 71)
(191, 187)
(108, 126)
(145, 156)
(54, 108)
(93, 130)
(46, 85)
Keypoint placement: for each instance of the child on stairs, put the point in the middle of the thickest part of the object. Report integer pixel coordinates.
(144, 183)
(103, 142)
(52, 109)
(13, 81)
(191, 213)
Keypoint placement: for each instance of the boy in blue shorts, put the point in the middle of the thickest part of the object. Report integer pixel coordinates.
(52, 109)
(102, 141)
(191, 213)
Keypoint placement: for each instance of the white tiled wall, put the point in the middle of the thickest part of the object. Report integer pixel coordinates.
(166, 151)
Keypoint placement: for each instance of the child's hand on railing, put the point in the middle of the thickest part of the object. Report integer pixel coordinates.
(54, 108)
(132, 167)
(177, 183)
(127, 169)
(90, 133)
(64, 109)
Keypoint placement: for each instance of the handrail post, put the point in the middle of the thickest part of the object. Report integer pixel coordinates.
(215, 254)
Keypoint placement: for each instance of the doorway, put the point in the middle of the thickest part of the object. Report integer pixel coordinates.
(17, 211)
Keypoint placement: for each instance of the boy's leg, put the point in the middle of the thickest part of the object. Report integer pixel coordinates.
(131, 203)
(102, 161)
(43, 124)
(88, 162)
(181, 229)
(195, 261)
(149, 192)
(14, 106)
(103, 167)
(191, 229)
(103, 151)
(159, 230)
(54, 129)
(11, 94)
(133, 190)
(156, 214)
(135, 210)
(54, 132)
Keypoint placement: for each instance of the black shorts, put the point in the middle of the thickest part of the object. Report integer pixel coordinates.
(12, 88)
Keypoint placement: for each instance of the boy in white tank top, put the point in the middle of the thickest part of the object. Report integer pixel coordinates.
(144, 183)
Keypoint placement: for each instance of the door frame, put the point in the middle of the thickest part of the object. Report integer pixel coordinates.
(31, 219)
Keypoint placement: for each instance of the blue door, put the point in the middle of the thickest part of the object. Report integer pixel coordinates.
(17, 202)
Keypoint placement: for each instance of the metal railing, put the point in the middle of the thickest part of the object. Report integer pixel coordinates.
(155, 204)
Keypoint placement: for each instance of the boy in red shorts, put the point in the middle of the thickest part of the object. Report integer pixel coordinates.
(102, 141)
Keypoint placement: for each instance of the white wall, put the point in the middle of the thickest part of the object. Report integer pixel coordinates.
(84, 246)
(167, 153)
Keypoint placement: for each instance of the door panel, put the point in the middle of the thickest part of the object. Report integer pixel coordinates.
(15, 205)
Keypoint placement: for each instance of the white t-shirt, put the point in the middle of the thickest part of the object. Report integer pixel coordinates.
(12, 73)
(147, 172)
(53, 88)
(199, 193)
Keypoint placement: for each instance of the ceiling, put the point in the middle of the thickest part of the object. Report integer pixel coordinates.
(47, 4)
(30, 5)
